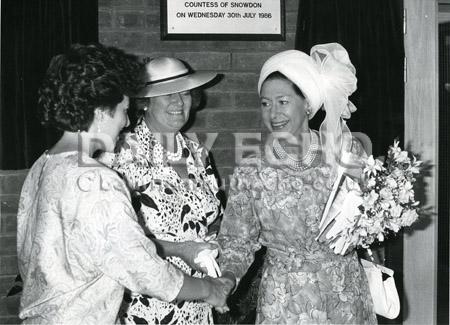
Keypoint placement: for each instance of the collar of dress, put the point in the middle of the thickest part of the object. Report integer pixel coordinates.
(152, 148)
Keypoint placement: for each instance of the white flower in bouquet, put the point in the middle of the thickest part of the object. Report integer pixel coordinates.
(393, 226)
(386, 194)
(390, 181)
(408, 217)
(414, 168)
(406, 193)
(373, 166)
(397, 174)
(371, 182)
(383, 202)
(370, 199)
(396, 211)
(395, 149)
(402, 157)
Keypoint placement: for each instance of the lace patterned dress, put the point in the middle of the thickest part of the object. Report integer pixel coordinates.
(79, 244)
(303, 281)
(172, 209)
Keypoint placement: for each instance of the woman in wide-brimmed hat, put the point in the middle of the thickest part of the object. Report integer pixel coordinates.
(277, 200)
(173, 185)
(79, 243)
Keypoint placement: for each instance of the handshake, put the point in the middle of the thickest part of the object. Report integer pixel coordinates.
(219, 290)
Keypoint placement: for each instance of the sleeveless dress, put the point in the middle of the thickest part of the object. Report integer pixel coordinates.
(169, 208)
(303, 281)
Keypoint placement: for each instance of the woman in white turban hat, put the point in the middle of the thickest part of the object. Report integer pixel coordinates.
(326, 79)
(277, 200)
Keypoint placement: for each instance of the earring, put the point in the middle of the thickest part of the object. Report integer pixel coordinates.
(145, 108)
(308, 110)
(99, 119)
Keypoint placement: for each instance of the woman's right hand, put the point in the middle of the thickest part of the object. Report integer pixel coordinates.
(219, 290)
(189, 251)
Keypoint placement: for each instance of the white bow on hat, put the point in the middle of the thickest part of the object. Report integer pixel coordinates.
(338, 83)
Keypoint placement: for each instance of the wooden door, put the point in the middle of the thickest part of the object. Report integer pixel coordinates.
(421, 134)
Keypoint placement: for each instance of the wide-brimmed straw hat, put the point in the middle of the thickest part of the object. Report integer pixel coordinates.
(166, 75)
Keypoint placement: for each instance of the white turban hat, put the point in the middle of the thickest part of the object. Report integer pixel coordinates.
(301, 70)
(326, 79)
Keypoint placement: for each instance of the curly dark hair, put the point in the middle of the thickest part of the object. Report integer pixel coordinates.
(83, 79)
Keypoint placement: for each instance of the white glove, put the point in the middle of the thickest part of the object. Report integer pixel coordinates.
(207, 259)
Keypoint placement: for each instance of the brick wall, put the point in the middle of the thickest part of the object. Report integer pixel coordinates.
(231, 105)
(10, 186)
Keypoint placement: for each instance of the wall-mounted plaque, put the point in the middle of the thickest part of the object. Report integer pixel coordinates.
(222, 20)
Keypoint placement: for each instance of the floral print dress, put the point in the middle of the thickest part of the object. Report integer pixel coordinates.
(172, 209)
(303, 281)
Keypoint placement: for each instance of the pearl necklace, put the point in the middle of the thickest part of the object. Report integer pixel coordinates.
(171, 156)
(307, 159)
(175, 156)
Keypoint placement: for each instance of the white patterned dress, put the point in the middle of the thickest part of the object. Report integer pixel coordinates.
(79, 244)
(172, 209)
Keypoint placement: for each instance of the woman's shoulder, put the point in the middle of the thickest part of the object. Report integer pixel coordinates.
(72, 172)
(128, 151)
(95, 178)
(128, 143)
(127, 140)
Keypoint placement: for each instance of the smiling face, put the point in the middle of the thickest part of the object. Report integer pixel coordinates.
(168, 113)
(283, 109)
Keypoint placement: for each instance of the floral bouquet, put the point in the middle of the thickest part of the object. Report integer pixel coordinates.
(382, 201)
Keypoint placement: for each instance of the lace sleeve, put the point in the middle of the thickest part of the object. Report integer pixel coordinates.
(106, 233)
(240, 228)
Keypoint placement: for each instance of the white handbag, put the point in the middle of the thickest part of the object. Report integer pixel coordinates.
(384, 293)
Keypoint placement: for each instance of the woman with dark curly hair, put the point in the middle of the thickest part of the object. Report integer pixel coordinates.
(78, 240)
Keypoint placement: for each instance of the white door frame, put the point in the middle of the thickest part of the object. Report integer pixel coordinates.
(421, 134)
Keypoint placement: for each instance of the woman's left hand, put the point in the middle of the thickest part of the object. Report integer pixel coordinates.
(189, 251)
